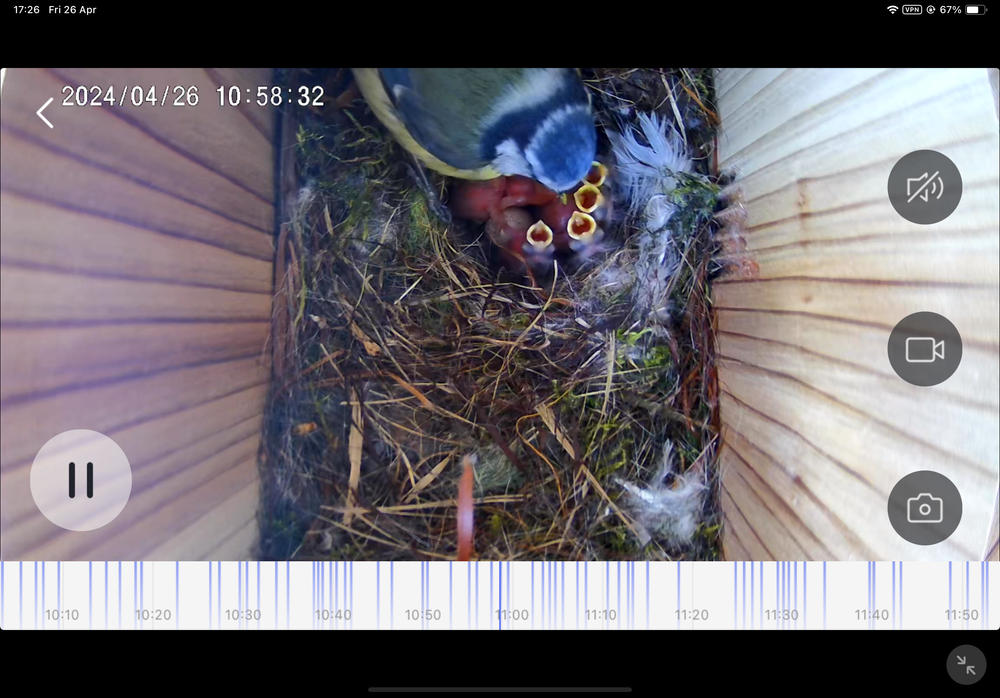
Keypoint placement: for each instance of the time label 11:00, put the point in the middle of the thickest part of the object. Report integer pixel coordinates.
(273, 96)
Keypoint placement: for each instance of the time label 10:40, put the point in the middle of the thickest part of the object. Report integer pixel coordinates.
(270, 96)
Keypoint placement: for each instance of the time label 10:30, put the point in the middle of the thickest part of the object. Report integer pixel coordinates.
(271, 96)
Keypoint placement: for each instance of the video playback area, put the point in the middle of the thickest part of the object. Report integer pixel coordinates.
(509, 321)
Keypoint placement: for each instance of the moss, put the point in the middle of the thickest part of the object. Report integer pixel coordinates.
(659, 356)
(697, 198)
(495, 524)
(416, 238)
(495, 473)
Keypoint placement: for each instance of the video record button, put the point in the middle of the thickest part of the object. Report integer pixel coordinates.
(925, 349)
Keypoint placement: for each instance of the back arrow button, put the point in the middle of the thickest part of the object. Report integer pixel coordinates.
(39, 113)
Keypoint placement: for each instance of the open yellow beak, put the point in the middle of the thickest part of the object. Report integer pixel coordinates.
(588, 198)
(539, 235)
(581, 225)
(597, 174)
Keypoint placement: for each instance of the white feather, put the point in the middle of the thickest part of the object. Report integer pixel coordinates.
(668, 512)
(646, 172)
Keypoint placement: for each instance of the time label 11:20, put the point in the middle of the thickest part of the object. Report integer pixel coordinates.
(270, 96)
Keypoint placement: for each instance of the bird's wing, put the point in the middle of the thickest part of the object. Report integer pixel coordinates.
(420, 100)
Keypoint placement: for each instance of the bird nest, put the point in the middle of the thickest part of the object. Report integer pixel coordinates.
(404, 352)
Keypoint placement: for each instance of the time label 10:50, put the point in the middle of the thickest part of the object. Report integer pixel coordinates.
(270, 96)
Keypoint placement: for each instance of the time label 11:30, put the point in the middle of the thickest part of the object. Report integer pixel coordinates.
(270, 96)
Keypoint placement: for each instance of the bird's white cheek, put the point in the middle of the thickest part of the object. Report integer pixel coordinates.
(510, 160)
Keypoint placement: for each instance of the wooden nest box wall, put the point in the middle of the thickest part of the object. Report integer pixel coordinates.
(137, 256)
(137, 264)
(817, 427)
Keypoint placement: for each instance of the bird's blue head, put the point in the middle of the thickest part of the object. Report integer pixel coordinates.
(563, 147)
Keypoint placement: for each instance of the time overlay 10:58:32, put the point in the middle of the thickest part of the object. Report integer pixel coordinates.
(189, 96)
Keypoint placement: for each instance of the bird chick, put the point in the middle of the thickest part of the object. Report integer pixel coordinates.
(521, 240)
(568, 223)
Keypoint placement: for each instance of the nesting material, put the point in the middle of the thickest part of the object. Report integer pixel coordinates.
(651, 173)
(670, 510)
(584, 395)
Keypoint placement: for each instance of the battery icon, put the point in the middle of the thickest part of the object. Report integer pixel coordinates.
(975, 9)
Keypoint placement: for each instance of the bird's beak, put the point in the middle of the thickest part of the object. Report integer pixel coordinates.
(581, 225)
(588, 198)
(539, 235)
(597, 174)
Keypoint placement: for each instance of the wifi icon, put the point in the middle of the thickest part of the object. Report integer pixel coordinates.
(893, 9)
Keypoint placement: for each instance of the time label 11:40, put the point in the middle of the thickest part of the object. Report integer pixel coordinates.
(273, 96)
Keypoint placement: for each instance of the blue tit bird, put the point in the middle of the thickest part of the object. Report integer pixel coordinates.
(481, 123)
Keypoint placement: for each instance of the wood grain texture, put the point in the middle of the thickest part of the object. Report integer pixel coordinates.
(222, 139)
(84, 356)
(139, 438)
(817, 427)
(264, 118)
(135, 299)
(36, 235)
(119, 140)
(35, 171)
(42, 297)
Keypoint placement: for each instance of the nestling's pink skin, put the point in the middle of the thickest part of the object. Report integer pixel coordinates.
(477, 201)
(480, 201)
(556, 215)
(524, 191)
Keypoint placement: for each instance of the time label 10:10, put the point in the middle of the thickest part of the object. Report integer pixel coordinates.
(274, 96)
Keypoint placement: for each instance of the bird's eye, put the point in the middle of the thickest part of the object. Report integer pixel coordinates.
(597, 174)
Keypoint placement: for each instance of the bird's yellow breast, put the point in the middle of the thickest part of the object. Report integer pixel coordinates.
(373, 90)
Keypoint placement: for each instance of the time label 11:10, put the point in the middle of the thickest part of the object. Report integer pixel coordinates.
(273, 96)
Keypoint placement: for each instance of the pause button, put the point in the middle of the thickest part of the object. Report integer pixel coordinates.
(81, 480)
(72, 480)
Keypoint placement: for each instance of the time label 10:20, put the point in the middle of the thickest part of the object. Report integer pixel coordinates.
(271, 96)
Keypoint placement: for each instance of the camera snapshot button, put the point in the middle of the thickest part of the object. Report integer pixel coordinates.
(925, 507)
